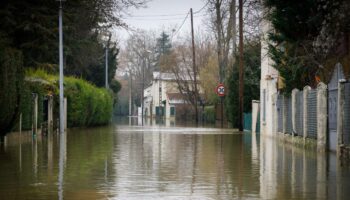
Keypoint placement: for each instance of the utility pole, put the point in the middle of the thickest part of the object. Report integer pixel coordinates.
(194, 70)
(143, 88)
(241, 69)
(106, 62)
(61, 101)
(130, 94)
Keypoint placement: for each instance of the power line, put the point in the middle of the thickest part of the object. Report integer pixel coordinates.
(200, 10)
(183, 22)
(167, 15)
(154, 19)
(160, 15)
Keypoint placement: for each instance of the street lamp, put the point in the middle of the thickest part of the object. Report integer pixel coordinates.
(106, 36)
(61, 101)
(146, 53)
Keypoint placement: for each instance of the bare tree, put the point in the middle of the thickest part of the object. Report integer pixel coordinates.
(139, 56)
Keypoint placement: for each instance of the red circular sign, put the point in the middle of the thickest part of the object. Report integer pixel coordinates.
(220, 90)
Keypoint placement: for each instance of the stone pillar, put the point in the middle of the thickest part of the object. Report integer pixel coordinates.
(321, 116)
(340, 117)
(305, 94)
(35, 114)
(49, 114)
(294, 109)
(255, 113)
(274, 114)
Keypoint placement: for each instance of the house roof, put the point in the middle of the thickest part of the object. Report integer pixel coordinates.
(170, 76)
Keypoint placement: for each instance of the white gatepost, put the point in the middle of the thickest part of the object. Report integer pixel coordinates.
(294, 107)
(321, 116)
(255, 114)
(305, 114)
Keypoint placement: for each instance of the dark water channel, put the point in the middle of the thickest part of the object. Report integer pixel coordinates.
(131, 162)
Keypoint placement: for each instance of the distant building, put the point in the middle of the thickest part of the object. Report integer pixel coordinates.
(163, 99)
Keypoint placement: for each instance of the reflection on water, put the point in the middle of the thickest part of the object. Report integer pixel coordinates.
(123, 162)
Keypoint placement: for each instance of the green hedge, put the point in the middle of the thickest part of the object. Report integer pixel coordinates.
(88, 105)
(209, 114)
(11, 81)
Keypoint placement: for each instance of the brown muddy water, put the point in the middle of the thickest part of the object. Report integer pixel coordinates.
(157, 162)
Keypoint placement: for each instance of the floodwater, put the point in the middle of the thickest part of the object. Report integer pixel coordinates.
(157, 162)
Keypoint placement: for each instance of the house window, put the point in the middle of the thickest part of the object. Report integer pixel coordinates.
(172, 111)
(160, 111)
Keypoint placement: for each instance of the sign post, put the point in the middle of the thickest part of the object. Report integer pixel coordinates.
(220, 91)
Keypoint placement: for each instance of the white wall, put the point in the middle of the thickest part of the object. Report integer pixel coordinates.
(268, 85)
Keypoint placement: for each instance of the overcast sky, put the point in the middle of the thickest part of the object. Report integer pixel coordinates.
(164, 15)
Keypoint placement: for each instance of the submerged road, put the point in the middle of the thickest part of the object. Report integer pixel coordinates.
(157, 162)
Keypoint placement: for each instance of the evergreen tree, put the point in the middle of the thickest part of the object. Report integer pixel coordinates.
(163, 48)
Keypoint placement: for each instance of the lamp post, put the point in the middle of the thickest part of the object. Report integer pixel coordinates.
(61, 77)
(147, 52)
(106, 66)
(105, 38)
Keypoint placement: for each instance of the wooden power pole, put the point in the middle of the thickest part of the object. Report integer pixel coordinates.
(241, 69)
(194, 71)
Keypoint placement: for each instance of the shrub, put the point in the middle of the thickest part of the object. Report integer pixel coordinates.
(209, 114)
(88, 105)
(11, 81)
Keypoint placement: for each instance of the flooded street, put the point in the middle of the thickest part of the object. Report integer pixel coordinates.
(154, 162)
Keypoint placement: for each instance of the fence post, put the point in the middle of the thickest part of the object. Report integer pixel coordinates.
(321, 116)
(294, 107)
(35, 114)
(50, 114)
(274, 114)
(284, 114)
(255, 113)
(340, 116)
(305, 94)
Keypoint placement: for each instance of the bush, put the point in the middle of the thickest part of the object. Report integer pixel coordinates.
(209, 114)
(87, 104)
(11, 81)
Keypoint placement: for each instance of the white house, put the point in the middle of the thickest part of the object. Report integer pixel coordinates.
(162, 97)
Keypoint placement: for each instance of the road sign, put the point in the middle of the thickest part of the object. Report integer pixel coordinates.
(220, 90)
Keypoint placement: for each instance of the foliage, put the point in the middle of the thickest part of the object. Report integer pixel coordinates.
(11, 82)
(87, 104)
(163, 48)
(115, 86)
(32, 27)
(307, 35)
(209, 114)
(209, 80)
(251, 82)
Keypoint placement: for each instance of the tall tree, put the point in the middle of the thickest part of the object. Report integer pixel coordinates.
(309, 37)
(163, 48)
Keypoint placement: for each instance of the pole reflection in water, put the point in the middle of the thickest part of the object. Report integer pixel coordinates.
(35, 155)
(61, 164)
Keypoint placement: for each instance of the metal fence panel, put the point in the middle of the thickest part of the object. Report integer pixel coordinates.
(280, 113)
(289, 128)
(312, 114)
(346, 122)
(299, 113)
